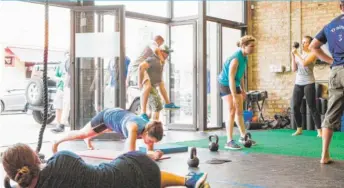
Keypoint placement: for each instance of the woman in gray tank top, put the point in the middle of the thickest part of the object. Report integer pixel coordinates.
(303, 65)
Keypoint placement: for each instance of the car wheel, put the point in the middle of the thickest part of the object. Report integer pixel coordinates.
(135, 107)
(34, 92)
(38, 117)
(2, 107)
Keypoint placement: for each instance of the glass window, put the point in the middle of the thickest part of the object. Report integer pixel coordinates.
(212, 64)
(182, 71)
(229, 10)
(185, 8)
(156, 8)
(229, 39)
(138, 33)
(23, 25)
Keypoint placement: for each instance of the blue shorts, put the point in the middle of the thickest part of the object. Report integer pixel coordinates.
(97, 122)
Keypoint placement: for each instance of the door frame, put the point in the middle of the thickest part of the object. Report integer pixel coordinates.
(119, 10)
(178, 126)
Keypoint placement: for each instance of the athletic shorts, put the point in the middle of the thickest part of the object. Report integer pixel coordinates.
(138, 169)
(336, 99)
(225, 90)
(58, 101)
(97, 122)
(154, 100)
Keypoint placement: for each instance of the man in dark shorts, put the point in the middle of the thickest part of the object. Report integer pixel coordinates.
(332, 34)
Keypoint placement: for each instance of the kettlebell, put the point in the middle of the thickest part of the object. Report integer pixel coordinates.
(193, 161)
(248, 142)
(213, 146)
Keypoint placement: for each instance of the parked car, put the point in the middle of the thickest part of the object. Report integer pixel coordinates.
(34, 93)
(13, 99)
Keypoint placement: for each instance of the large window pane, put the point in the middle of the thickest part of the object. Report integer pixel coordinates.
(156, 8)
(229, 39)
(229, 10)
(181, 80)
(212, 63)
(138, 33)
(185, 8)
(23, 25)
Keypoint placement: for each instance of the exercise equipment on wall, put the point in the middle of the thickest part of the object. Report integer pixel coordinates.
(45, 84)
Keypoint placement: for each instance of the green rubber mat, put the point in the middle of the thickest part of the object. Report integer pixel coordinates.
(280, 142)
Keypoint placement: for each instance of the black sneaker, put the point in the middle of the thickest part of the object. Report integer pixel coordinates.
(242, 141)
(232, 145)
(58, 129)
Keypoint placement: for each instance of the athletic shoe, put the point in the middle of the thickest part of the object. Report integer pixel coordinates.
(58, 128)
(195, 180)
(145, 117)
(232, 145)
(171, 106)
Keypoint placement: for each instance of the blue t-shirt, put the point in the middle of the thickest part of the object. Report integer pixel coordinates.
(242, 63)
(66, 169)
(333, 33)
(117, 120)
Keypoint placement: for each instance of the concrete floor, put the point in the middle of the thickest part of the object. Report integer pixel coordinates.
(245, 170)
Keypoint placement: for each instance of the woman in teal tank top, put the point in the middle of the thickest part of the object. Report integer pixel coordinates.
(232, 89)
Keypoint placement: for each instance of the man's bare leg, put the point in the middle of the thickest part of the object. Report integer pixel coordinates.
(163, 93)
(83, 133)
(147, 87)
(156, 116)
(326, 140)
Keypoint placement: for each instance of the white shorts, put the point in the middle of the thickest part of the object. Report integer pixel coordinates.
(58, 101)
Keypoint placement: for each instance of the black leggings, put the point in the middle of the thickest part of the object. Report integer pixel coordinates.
(298, 93)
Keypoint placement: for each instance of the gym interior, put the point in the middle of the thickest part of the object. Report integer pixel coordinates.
(202, 35)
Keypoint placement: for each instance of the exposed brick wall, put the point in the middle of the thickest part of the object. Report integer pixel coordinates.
(276, 25)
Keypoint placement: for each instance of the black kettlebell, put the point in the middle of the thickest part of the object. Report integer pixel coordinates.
(248, 142)
(213, 146)
(296, 45)
(193, 161)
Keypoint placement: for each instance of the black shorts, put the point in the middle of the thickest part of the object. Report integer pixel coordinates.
(97, 122)
(138, 169)
(225, 90)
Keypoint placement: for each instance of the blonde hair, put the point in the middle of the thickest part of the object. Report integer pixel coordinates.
(246, 40)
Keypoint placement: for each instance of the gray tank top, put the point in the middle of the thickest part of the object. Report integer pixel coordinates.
(305, 74)
(155, 70)
(134, 66)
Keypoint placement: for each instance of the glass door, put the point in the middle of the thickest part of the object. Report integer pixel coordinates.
(97, 56)
(229, 39)
(182, 76)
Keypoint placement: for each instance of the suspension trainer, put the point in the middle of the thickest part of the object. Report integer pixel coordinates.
(45, 84)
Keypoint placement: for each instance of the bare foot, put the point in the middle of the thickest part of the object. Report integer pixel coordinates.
(54, 147)
(296, 133)
(326, 161)
(89, 144)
